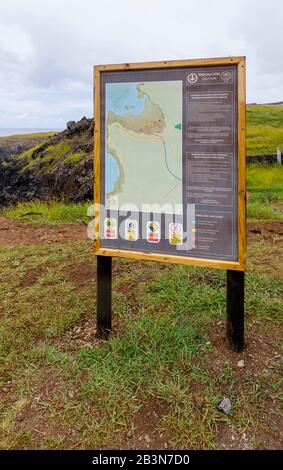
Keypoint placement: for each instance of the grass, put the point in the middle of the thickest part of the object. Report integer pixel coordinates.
(265, 188)
(163, 353)
(34, 135)
(260, 209)
(45, 159)
(262, 140)
(27, 154)
(261, 115)
(264, 129)
(73, 158)
(52, 212)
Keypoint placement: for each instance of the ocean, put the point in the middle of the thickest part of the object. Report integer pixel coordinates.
(16, 131)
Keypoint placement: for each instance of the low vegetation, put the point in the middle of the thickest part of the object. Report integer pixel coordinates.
(265, 192)
(265, 115)
(34, 135)
(166, 354)
(264, 129)
(51, 212)
(45, 159)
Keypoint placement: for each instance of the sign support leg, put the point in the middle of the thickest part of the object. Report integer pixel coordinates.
(103, 297)
(235, 310)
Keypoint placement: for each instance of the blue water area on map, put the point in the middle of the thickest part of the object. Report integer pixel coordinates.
(122, 98)
(112, 173)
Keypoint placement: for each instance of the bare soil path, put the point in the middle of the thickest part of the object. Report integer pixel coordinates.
(13, 232)
(16, 232)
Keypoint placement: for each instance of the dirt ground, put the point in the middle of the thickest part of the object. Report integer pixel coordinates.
(13, 232)
(83, 334)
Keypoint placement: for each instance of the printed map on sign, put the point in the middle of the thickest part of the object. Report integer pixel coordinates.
(143, 145)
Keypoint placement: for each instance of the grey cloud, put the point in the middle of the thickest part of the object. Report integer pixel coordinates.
(52, 83)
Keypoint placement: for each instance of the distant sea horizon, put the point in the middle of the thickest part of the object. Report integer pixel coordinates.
(6, 132)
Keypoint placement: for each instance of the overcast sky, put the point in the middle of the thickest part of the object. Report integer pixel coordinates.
(48, 48)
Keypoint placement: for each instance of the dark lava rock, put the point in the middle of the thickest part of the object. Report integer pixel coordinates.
(71, 125)
(59, 167)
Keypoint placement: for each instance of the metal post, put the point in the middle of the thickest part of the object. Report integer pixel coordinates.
(235, 310)
(103, 298)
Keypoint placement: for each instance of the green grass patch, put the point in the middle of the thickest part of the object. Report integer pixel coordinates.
(45, 159)
(53, 212)
(265, 188)
(264, 129)
(265, 116)
(27, 154)
(74, 158)
(34, 135)
(264, 140)
(260, 209)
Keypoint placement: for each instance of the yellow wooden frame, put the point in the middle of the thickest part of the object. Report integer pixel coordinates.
(239, 265)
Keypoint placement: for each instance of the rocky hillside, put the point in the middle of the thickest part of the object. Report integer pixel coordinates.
(60, 166)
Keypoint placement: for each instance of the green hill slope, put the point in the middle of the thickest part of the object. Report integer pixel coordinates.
(264, 129)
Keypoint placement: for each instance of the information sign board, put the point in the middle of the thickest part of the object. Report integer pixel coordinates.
(170, 161)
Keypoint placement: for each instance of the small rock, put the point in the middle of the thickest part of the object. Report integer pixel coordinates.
(5, 389)
(225, 406)
(147, 438)
(241, 364)
(198, 399)
(71, 394)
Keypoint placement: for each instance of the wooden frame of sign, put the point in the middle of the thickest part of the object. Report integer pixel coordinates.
(240, 263)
